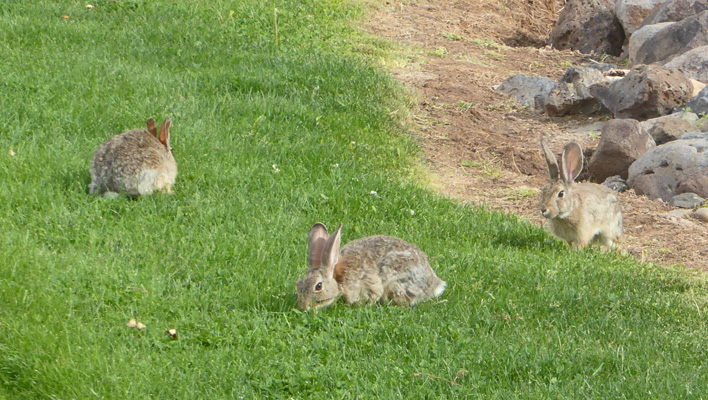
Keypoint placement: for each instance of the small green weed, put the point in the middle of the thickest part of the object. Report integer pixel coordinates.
(488, 44)
(453, 36)
(439, 52)
(464, 106)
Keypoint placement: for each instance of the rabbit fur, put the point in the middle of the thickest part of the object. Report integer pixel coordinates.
(367, 270)
(578, 213)
(136, 162)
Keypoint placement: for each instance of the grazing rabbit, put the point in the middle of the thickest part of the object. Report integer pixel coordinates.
(579, 213)
(136, 162)
(365, 271)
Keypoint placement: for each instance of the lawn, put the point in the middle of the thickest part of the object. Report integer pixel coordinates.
(273, 133)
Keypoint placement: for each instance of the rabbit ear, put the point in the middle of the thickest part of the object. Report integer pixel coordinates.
(572, 162)
(551, 161)
(165, 133)
(315, 244)
(330, 253)
(152, 128)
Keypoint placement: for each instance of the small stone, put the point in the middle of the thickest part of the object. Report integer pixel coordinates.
(616, 183)
(678, 213)
(702, 214)
(686, 200)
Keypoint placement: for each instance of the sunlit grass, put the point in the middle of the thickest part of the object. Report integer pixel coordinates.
(270, 139)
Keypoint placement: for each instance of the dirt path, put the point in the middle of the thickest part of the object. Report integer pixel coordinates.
(484, 148)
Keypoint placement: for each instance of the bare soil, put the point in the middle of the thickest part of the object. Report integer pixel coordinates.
(482, 146)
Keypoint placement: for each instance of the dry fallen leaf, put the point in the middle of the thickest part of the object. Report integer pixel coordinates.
(66, 17)
(140, 326)
(132, 323)
(172, 333)
(12, 153)
(89, 6)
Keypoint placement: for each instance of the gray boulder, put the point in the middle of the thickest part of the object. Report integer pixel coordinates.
(668, 129)
(640, 36)
(699, 104)
(672, 40)
(693, 64)
(658, 172)
(695, 135)
(631, 13)
(686, 200)
(648, 91)
(622, 142)
(616, 183)
(526, 88)
(604, 67)
(675, 10)
(695, 183)
(589, 26)
(689, 117)
(572, 94)
(702, 123)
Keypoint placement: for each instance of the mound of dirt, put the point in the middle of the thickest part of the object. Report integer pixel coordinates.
(482, 146)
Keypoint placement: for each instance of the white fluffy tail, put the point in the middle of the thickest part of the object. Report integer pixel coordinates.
(440, 289)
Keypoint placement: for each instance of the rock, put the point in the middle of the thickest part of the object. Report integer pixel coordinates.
(653, 186)
(616, 183)
(526, 88)
(631, 13)
(695, 183)
(699, 104)
(676, 214)
(658, 172)
(648, 91)
(702, 124)
(589, 26)
(621, 143)
(702, 214)
(686, 200)
(571, 95)
(637, 40)
(695, 135)
(693, 63)
(603, 67)
(683, 114)
(670, 129)
(675, 10)
(687, 116)
(672, 40)
(697, 86)
(588, 130)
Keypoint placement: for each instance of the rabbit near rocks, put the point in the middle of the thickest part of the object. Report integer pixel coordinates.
(578, 213)
(136, 162)
(366, 270)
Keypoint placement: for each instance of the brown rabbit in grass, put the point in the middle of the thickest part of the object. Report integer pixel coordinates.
(136, 162)
(366, 270)
(578, 213)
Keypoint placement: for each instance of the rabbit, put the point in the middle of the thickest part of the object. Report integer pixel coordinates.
(136, 162)
(578, 213)
(367, 270)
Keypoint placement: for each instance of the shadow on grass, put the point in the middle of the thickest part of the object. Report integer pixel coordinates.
(76, 181)
(274, 303)
(522, 240)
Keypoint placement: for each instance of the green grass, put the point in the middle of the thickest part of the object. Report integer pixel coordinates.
(523, 315)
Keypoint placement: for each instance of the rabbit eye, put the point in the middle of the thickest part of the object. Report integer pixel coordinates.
(318, 286)
(561, 194)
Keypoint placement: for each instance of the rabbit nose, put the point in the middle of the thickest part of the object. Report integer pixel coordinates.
(304, 305)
